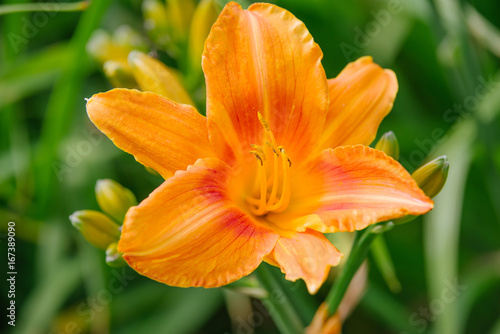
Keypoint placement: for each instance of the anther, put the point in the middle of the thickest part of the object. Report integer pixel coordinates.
(260, 150)
(257, 155)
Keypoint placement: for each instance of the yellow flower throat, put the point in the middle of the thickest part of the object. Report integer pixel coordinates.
(273, 183)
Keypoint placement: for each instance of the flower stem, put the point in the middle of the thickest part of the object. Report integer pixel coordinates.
(277, 303)
(44, 7)
(360, 248)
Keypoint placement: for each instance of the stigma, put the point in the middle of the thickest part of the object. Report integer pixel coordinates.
(272, 189)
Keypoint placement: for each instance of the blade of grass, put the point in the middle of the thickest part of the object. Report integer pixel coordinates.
(442, 225)
(384, 263)
(388, 310)
(479, 282)
(482, 30)
(63, 100)
(297, 293)
(278, 305)
(47, 298)
(190, 309)
(32, 74)
(45, 7)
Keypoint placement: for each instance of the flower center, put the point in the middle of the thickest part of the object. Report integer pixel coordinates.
(273, 183)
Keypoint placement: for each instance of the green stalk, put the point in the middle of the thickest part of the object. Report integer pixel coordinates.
(44, 7)
(383, 260)
(359, 251)
(277, 304)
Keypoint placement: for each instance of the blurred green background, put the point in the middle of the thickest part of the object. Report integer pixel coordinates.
(446, 57)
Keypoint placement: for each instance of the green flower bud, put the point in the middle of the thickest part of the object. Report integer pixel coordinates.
(96, 227)
(204, 17)
(154, 76)
(431, 177)
(102, 48)
(180, 13)
(127, 37)
(113, 257)
(156, 23)
(114, 199)
(119, 74)
(388, 144)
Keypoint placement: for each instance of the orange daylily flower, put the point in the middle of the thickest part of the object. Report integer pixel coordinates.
(278, 160)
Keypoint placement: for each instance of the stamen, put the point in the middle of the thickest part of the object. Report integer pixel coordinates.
(286, 189)
(263, 186)
(263, 204)
(260, 150)
(275, 177)
(268, 130)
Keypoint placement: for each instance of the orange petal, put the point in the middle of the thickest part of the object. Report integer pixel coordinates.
(263, 60)
(160, 133)
(189, 233)
(360, 97)
(351, 187)
(307, 255)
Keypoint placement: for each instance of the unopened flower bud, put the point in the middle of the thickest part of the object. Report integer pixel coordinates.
(102, 48)
(127, 37)
(114, 199)
(323, 323)
(119, 74)
(113, 257)
(388, 144)
(180, 13)
(154, 76)
(204, 17)
(431, 177)
(96, 227)
(156, 23)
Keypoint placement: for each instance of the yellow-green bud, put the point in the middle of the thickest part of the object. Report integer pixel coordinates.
(127, 37)
(156, 23)
(119, 74)
(154, 76)
(114, 199)
(96, 227)
(204, 17)
(431, 177)
(180, 13)
(102, 47)
(113, 257)
(388, 144)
